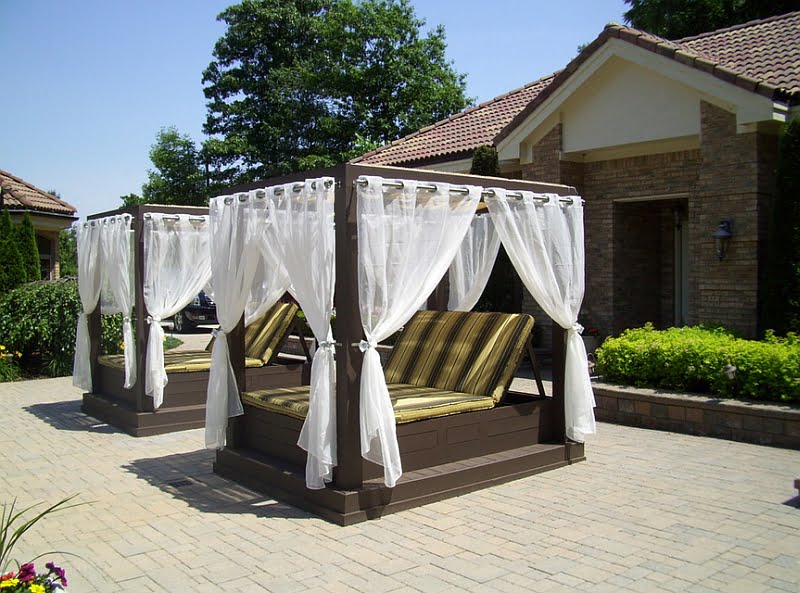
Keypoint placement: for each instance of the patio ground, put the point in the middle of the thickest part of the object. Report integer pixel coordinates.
(647, 511)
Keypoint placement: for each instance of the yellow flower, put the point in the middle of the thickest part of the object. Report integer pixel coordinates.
(19, 354)
(8, 583)
(122, 345)
(2, 348)
(37, 588)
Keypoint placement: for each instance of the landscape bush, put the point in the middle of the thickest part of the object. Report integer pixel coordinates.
(39, 319)
(704, 360)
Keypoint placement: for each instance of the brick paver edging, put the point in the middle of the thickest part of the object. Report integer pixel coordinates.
(747, 421)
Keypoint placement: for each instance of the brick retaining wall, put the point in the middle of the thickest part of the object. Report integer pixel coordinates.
(747, 421)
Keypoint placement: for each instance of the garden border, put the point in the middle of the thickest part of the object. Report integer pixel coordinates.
(748, 421)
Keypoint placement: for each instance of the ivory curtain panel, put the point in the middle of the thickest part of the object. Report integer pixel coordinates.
(176, 268)
(543, 236)
(236, 223)
(473, 264)
(90, 262)
(407, 238)
(117, 288)
(302, 227)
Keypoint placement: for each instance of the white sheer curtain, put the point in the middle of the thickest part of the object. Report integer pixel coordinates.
(473, 264)
(302, 224)
(543, 237)
(90, 262)
(407, 238)
(117, 290)
(176, 268)
(271, 280)
(235, 225)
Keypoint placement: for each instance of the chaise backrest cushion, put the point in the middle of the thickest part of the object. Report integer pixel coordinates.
(475, 353)
(263, 337)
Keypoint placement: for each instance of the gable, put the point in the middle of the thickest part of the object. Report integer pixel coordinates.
(627, 97)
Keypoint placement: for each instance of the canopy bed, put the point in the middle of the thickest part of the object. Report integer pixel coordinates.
(148, 262)
(356, 440)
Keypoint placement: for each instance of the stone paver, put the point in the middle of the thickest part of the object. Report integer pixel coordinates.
(648, 511)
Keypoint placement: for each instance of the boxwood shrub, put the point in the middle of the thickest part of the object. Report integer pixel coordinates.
(38, 320)
(695, 359)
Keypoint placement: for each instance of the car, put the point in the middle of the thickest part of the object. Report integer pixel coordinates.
(202, 310)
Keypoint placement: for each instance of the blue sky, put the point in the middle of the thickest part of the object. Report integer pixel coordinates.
(85, 85)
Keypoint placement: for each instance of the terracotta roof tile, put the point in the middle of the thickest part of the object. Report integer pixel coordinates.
(19, 194)
(761, 56)
(460, 133)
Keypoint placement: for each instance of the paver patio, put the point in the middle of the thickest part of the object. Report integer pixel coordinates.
(647, 511)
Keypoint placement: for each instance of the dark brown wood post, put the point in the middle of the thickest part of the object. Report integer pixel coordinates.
(559, 368)
(95, 344)
(349, 471)
(142, 328)
(234, 437)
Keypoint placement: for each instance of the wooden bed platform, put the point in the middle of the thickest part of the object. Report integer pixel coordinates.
(442, 457)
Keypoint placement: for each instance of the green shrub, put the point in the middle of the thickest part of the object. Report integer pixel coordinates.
(38, 320)
(696, 359)
(9, 371)
(29, 249)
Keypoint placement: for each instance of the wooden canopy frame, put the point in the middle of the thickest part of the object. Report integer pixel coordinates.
(442, 457)
(185, 395)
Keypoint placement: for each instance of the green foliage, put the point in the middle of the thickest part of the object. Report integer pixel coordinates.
(132, 200)
(68, 251)
(485, 162)
(39, 320)
(696, 359)
(9, 370)
(302, 83)
(29, 249)
(179, 176)
(782, 279)
(13, 526)
(12, 269)
(675, 19)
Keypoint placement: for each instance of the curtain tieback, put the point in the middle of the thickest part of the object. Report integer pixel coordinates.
(577, 328)
(365, 345)
(327, 344)
(150, 319)
(126, 319)
(217, 332)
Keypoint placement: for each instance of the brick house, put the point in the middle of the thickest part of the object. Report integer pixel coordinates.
(48, 214)
(664, 140)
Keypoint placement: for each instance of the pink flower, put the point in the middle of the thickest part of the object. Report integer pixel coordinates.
(27, 573)
(60, 573)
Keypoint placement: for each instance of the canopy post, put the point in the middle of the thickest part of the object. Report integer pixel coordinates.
(139, 310)
(559, 370)
(348, 474)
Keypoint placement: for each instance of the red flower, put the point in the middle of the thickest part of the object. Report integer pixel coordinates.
(6, 577)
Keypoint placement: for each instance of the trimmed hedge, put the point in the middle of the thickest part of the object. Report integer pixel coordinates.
(39, 319)
(695, 359)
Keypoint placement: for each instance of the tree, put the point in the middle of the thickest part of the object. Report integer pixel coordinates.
(485, 162)
(29, 249)
(12, 271)
(132, 200)
(68, 251)
(297, 84)
(178, 177)
(675, 19)
(782, 304)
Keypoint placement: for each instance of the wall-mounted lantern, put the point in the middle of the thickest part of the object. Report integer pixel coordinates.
(722, 237)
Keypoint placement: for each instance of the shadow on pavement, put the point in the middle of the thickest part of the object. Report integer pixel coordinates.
(189, 477)
(67, 415)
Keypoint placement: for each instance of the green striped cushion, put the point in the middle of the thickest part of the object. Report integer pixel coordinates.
(466, 352)
(263, 337)
(410, 402)
(187, 361)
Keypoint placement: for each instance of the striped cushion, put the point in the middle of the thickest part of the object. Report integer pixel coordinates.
(262, 339)
(465, 352)
(188, 361)
(410, 402)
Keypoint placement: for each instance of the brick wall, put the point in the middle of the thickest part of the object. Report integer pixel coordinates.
(629, 246)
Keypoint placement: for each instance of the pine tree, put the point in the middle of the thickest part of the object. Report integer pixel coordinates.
(12, 271)
(485, 162)
(29, 249)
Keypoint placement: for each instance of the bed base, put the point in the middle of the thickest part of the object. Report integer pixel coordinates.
(442, 457)
(184, 405)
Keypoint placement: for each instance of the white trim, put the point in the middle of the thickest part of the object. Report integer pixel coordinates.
(682, 195)
(748, 106)
(459, 166)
